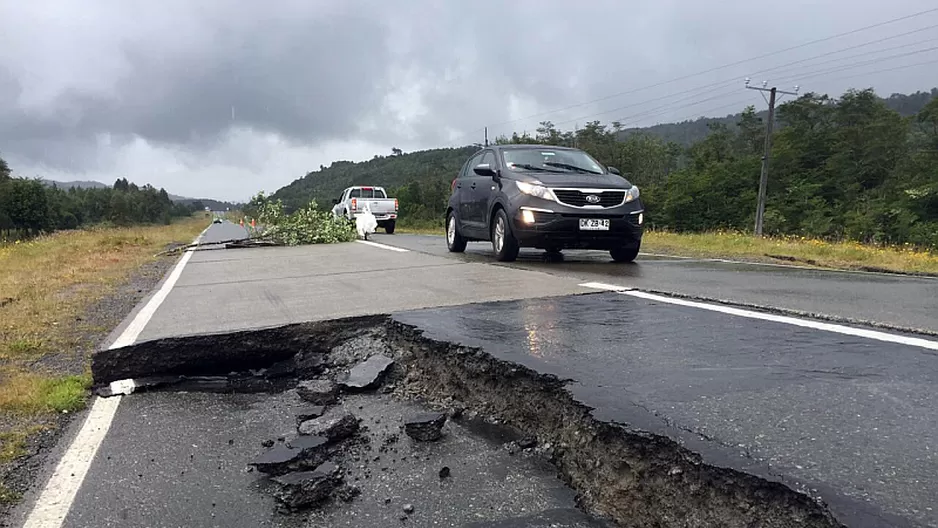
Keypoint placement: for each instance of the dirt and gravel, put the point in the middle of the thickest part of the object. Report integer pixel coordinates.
(88, 330)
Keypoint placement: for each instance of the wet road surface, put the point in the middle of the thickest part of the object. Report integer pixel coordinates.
(853, 418)
(902, 301)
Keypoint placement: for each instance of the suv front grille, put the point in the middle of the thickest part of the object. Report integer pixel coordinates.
(578, 198)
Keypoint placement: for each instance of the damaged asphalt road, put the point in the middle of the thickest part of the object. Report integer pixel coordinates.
(670, 417)
(235, 458)
(609, 408)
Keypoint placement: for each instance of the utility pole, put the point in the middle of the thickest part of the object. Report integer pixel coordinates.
(769, 127)
(486, 136)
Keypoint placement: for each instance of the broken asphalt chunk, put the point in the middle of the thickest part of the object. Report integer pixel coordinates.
(309, 363)
(318, 392)
(425, 427)
(309, 413)
(302, 451)
(367, 374)
(305, 488)
(332, 426)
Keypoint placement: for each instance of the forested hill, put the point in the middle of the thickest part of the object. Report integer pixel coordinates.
(436, 168)
(427, 166)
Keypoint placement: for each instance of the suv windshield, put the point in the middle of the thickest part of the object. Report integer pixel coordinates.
(550, 159)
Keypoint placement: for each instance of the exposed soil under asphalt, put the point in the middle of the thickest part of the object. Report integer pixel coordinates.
(88, 330)
(614, 472)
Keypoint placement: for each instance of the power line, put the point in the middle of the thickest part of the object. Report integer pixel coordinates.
(717, 84)
(709, 70)
(779, 70)
(848, 48)
(817, 73)
(731, 81)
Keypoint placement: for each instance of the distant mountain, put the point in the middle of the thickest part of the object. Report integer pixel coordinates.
(215, 205)
(76, 184)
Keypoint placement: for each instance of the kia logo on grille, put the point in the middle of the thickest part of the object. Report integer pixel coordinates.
(592, 199)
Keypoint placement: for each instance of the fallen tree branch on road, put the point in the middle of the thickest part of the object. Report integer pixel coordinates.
(307, 225)
(186, 247)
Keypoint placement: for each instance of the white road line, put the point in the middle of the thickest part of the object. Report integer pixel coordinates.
(53, 505)
(57, 497)
(604, 286)
(806, 323)
(383, 246)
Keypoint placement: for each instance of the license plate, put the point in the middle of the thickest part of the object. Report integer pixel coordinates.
(594, 224)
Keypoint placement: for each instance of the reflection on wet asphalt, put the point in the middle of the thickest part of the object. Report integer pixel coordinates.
(907, 302)
(849, 414)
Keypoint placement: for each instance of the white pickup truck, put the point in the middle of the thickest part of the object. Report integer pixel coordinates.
(353, 200)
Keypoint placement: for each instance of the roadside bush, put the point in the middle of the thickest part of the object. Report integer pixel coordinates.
(307, 225)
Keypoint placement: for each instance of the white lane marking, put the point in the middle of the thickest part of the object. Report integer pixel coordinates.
(806, 323)
(57, 497)
(53, 505)
(604, 286)
(136, 326)
(383, 246)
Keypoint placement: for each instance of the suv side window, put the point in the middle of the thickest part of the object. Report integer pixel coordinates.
(489, 157)
(467, 169)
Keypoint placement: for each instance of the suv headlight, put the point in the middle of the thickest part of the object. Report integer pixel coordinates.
(537, 191)
(631, 194)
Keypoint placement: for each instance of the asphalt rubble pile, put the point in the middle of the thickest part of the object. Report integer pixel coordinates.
(300, 467)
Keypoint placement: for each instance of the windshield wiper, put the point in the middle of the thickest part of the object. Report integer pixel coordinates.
(570, 167)
(528, 166)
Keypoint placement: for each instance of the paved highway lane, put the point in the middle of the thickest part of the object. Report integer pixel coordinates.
(223, 232)
(902, 301)
(241, 289)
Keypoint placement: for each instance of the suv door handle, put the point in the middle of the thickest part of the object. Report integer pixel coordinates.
(473, 186)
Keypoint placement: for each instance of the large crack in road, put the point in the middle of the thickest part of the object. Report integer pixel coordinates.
(618, 472)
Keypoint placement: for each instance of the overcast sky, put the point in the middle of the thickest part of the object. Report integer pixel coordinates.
(221, 99)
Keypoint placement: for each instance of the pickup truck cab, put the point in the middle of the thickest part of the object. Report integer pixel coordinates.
(353, 200)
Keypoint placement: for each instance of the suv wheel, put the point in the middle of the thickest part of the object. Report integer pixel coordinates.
(389, 227)
(503, 241)
(454, 241)
(624, 254)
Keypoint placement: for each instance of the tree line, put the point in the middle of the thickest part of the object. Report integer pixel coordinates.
(858, 167)
(28, 207)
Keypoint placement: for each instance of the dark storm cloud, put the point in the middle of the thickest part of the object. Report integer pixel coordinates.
(308, 77)
(81, 82)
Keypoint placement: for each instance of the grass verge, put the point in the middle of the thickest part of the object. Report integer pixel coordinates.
(47, 282)
(47, 286)
(797, 250)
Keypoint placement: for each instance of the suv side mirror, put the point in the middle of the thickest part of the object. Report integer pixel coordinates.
(335, 201)
(614, 171)
(484, 169)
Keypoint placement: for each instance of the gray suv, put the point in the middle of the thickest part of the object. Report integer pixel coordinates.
(544, 197)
